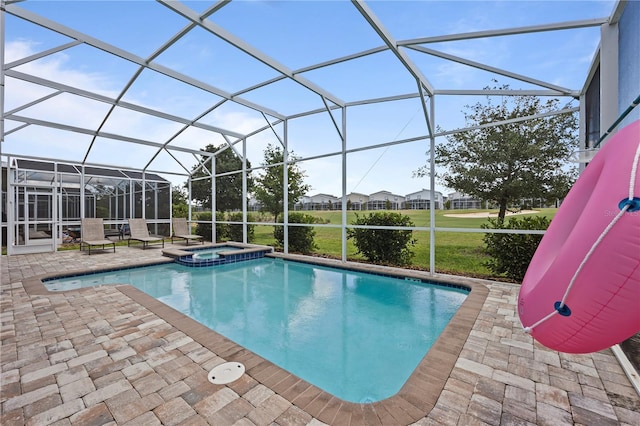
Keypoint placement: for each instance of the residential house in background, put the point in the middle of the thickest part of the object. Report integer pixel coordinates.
(319, 202)
(385, 200)
(421, 200)
(458, 200)
(357, 201)
(253, 205)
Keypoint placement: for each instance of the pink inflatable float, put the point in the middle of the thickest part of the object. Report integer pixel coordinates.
(581, 292)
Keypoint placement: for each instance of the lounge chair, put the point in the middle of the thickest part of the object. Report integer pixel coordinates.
(92, 234)
(140, 232)
(181, 230)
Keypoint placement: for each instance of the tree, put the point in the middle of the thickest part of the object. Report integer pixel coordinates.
(228, 187)
(269, 188)
(179, 205)
(509, 162)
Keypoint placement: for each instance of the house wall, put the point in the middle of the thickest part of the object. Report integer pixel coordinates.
(629, 60)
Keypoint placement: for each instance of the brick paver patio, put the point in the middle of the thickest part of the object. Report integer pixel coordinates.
(113, 355)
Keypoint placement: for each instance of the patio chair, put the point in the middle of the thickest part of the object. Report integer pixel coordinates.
(139, 232)
(92, 234)
(181, 230)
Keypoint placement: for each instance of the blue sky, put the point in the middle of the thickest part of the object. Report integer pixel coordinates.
(296, 34)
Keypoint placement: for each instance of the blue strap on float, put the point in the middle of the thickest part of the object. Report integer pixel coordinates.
(629, 204)
(632, 203)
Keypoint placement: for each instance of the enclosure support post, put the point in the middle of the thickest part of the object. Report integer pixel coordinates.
(432, 179)
(132, 199)
(189, 197)
(143, 201)
(82, 194)
(285, 189)
(2, 29)
(344, 184)
(213, 199)
(245, 236)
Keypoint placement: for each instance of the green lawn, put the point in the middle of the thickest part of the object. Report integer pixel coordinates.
(456, 252)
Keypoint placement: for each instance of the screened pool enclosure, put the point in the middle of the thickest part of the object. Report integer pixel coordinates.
(48, 199)
(106, 106)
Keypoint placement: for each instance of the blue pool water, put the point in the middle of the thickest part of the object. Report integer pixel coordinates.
(358, 336)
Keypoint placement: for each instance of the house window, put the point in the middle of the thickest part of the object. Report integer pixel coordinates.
(592, 111)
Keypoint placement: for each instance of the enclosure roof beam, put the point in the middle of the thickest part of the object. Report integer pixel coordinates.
(347, 104)
(342, 59)
(617, 11)
(106, 135)
(333, 119)
(505, 92)
(509, 121)
(507, 31)
(42, 54)
(15, 129)
(384, 99)
(488, 68)
(102, 98)
(565, 110)
(176, 37)
(178, 133)
(388, 39)
(34, 102)
(461, 36)
(232, 146)
(98, 44)
(220, 32)
(174, 159)
(259, 85)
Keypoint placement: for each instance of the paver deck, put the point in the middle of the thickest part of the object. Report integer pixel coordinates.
(113, 355)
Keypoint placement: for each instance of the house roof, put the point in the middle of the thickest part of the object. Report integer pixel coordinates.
(45, 166)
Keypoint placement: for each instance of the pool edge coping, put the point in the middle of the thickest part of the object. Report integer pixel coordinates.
(413, 401)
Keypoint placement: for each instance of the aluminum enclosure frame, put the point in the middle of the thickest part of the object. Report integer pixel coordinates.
(425, 92)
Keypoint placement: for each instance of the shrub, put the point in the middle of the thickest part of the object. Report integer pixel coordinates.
(234, 231)
(204, 229)
(387, 246)
(180, 209)
(511, 253)
(301, 238)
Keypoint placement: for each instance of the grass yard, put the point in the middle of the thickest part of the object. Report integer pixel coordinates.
(458, 253)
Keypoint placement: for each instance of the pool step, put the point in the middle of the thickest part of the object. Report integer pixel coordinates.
(176, 253)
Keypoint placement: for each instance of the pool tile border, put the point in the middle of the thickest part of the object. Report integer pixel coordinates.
(380, 271)
(416, 398)
(230, 256)
(35, 285)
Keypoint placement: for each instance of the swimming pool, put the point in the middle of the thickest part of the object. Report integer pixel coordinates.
(355, 335)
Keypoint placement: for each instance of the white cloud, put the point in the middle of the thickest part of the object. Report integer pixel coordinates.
(82, 112)
(57, 67)
(18, 49)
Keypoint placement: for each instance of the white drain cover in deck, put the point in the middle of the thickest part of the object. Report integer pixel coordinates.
(226, 373)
